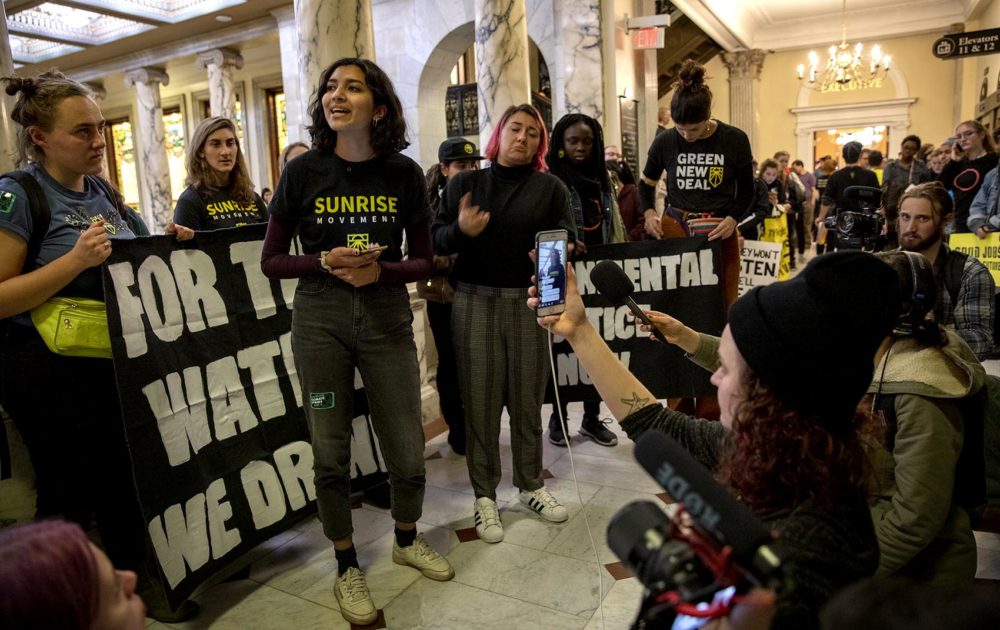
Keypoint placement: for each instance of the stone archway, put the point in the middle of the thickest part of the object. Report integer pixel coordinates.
(417, 43)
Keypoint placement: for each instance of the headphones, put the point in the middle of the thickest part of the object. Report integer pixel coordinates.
(920, 295)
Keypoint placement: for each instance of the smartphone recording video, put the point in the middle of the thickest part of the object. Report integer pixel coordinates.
(550, 271)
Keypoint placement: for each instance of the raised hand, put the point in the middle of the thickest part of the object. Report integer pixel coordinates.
(471, 220)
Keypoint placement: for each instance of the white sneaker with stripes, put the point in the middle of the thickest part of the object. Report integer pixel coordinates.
(488, 525)
(546, 505)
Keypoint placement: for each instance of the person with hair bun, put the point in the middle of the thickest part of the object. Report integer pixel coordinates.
(53, 578)
(797, 458)
(219, 193)
(67, 408)
(923, 373)
(708, 166)
(348, 199)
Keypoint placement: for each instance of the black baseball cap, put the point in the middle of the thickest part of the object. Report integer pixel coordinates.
(458, 148)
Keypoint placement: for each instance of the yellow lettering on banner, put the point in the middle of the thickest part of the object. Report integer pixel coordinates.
(986, 250)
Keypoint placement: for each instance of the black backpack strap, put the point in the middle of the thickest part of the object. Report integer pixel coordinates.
(40, 215)
(954, 269)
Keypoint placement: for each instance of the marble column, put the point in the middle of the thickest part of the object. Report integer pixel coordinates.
(8, 130)
(502, 74)
(296, 99)
(97, 89)
(221, 94)
(744, 91)
(579, 56)
(152, 147)
(329, 31)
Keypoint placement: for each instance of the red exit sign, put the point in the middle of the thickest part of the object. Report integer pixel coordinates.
(645, 38)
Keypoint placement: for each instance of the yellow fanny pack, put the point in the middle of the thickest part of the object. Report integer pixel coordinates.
(74, 327)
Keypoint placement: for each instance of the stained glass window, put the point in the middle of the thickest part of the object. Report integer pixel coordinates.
(125, 167)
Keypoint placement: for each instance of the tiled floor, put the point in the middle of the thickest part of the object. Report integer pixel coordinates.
(543, 575)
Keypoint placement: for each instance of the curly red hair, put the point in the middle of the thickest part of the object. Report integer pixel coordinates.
(778, 457)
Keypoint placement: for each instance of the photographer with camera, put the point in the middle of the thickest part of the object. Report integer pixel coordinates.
(840, 181)
(794, 456)
(965, 288)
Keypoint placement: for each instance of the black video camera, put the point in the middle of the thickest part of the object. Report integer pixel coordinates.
(693, 563)
(859, 223)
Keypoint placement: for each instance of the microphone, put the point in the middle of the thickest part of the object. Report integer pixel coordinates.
(717, 512)
(613, 284)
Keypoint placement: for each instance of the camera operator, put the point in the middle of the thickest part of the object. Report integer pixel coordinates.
(965, 287)
(833, 194)
(794, 456)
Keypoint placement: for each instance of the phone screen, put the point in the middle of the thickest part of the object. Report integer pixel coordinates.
(551, 271)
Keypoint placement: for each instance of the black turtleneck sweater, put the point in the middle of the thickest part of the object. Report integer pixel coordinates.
(521, 203)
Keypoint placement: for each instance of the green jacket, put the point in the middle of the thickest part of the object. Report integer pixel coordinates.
(922, 533)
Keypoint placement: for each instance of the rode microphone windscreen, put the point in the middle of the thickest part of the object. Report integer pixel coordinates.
(712, 506)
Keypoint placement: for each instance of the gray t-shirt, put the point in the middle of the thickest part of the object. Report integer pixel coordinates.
(71, 213)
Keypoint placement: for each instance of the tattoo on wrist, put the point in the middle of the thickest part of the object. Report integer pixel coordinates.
(635, 403)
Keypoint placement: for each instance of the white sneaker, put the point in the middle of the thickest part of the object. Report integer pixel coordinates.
(488, 525)
(355, 601)
(422, 557)
(542, 502)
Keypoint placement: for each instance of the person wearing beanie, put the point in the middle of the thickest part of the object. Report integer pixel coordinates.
(794, 455)
(833, 193)
(925, 387)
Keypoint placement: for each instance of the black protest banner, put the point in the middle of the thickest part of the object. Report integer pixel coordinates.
(680, 277)
(212, 407)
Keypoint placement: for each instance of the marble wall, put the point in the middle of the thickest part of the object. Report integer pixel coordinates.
(418, 42)
(157, 209)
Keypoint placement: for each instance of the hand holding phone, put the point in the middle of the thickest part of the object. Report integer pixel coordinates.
(550, 271)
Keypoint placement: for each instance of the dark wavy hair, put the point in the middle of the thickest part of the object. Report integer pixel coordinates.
(692, 100)
(559, 164)
(200, 175)
(36, 107)
(779, 457)
(388, 135)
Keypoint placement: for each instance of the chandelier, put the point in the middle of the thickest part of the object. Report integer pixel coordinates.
(846, 68)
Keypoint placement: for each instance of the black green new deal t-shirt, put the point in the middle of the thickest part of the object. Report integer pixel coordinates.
(712, 174)
(216, 210)
(337, 203)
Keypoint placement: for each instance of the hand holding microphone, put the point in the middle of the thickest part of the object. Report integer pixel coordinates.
(613, 284)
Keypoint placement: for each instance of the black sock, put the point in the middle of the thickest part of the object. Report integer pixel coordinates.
(405, 537)
(346, 558)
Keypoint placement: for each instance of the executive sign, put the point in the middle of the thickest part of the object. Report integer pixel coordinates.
(957, 45)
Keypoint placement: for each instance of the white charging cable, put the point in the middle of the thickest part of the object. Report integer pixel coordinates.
(576, 482)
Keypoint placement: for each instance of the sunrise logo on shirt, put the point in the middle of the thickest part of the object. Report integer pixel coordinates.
(715, 176)
(358, 241)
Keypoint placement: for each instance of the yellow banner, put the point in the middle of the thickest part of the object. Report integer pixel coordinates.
(987, 250)
(776, 231)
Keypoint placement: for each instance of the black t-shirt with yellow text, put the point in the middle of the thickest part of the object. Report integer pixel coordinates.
(337, 203)
(713, 174)
(216, 210)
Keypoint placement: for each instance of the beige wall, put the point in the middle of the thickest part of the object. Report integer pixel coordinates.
(990, 18)
(930, 80)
